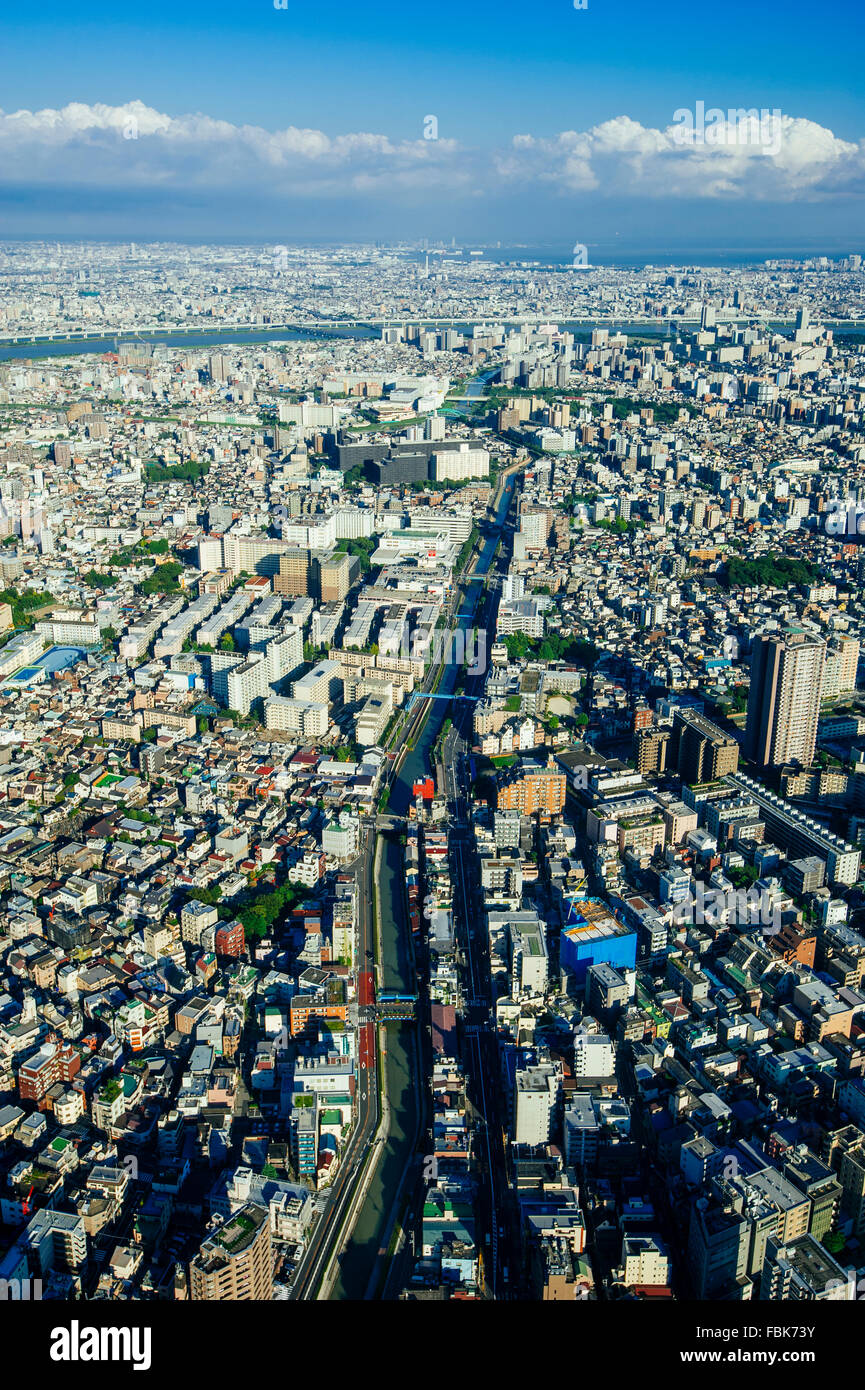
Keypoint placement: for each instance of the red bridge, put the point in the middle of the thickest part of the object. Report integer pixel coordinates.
(366, 1031)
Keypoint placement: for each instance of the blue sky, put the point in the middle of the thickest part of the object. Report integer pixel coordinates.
(489, 72)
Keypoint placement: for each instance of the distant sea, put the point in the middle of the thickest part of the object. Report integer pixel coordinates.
(611, 255)
(611, 251)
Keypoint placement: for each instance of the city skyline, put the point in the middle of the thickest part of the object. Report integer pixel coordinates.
(432, 675)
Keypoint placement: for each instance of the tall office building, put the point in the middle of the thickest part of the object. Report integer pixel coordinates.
(235, 1263)
(652, 747)
(717, 1250)
(531, 787)
(294, 573)
(218, 367)
(842, 664)
(784, 699)
(333, 575)
(705, 751)
(851, 1175)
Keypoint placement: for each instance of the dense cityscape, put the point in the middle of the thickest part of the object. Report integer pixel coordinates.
(432, 776)
(432, 689)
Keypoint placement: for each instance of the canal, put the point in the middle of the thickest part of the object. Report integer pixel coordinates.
(399, 1062)
(397, 971)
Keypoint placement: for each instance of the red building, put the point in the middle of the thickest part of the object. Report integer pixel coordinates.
(643, 718)
(52, 1063)
(231, 940)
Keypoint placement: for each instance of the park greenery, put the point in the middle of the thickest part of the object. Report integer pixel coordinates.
(177, 472)
(362, 547)
(663, 412)
(770, 571)
(141, 553)
(98, 579)
(619, 524)
(24, 604)
(259, 908)
(553, 647)
(743, 877)
(163, 580)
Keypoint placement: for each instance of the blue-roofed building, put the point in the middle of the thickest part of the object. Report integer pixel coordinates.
(593, 935)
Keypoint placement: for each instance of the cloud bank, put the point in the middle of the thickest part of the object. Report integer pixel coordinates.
(135, 149)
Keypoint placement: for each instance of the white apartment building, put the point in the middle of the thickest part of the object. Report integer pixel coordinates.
(372, 720)
(455, 465)
(258, 554)
(839, 672)
(529, 961)
(457, 526)
(341, 837)
(353, 523)
(238, 681)
(138, 636)
(58, 1240)
(225, 617)
(325, 624)
(536, 1091)
(535, 527)
(315, 533)
(195, 918)
(309, 415)
(209, 554)
(594, 1055)
(71, 627)
(322, 684)
(644, 1261)
(520, 615)
(21, 651)
(176, 630)
(305, 717)
(307, 870)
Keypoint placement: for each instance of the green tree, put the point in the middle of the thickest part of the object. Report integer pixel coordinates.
(553, 647)
(25, 604)
(770, 571)
(163, 580)
(97, 580)
(180, 472)
(362, 547)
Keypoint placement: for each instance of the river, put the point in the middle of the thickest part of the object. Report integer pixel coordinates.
(67, 347)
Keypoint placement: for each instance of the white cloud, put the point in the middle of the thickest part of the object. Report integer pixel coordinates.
(133, 147)
(785, 160)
